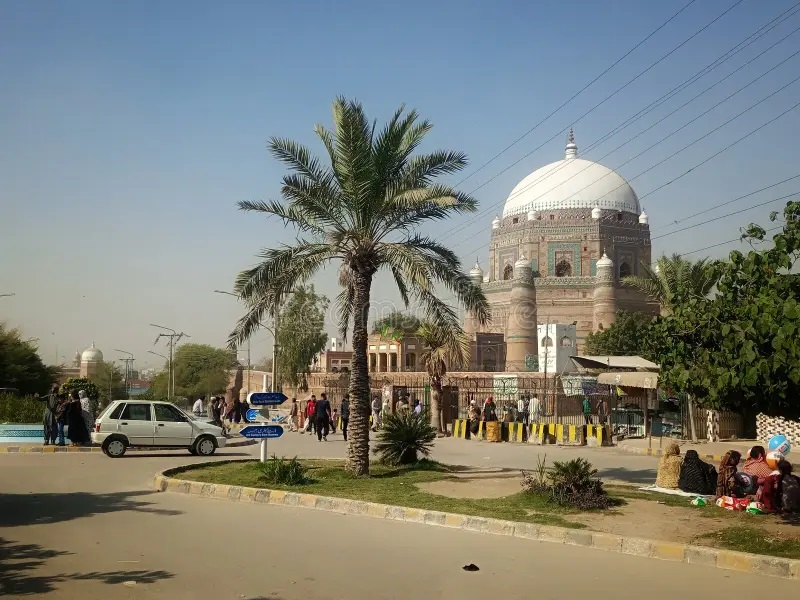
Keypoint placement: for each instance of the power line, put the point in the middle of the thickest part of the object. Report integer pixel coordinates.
(738, 239)
(578, 93)
(763, 30)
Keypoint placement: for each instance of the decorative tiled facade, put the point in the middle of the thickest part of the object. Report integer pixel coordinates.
(561, 251)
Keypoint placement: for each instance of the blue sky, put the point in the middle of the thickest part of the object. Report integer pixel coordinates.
(131, 129)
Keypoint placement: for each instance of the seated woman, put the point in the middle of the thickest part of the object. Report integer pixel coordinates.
(669, 468)
(697, 477)
(726, 480)
(756, 465)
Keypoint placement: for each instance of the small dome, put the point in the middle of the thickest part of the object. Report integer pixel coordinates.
(522, 262)
(643, 218)
(604, 262)
(596, 212)
(533, 215)
(476, 273)
(496, 222)
(92, 354)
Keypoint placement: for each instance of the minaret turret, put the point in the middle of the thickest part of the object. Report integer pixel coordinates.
(521, 333)
(605, 298)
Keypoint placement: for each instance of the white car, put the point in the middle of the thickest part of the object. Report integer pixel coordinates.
(127, 423)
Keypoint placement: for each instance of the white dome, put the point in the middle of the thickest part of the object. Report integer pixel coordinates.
(92, 354)
(476, 271)
(522, 262)
(572, 183)
(604, 262)
(496, 222)
(643, 218)
(533, 215)
(596, 213)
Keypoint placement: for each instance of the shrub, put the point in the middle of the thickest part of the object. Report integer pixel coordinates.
(283, 471)
(20, 409)
(404, 437)
(572, 484)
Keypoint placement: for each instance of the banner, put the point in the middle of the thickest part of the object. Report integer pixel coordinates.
(582, 385)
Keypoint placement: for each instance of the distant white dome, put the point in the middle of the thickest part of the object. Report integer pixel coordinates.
(496, 222)
(643, 218)
(604, 262)
(572, 183)
(596, 212)
(92, 354)
(476, 273)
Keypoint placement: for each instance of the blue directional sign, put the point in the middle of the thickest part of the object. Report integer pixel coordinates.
(253, 414)
(266, 398)
(262, 432)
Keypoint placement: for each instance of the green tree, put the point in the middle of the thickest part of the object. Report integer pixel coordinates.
(110, 380)
(740, 350)
(445, 347)
(199, 369)
(21, 367)
(673, 279)
(76, 384)
(363, 208)
(628, 335)
(301, 335)
(396, 322)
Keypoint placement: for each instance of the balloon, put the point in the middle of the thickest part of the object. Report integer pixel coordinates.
(773, 458)
(780, 443)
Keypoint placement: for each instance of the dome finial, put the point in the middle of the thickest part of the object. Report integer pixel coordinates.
(572, 147)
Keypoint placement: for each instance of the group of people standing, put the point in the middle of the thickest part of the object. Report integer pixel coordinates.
(218, 410)
(778, 490)
(67, 416)
(320, 417)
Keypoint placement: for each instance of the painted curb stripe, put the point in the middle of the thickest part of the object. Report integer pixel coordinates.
(8, 449)
(722, 559)
(659, 452)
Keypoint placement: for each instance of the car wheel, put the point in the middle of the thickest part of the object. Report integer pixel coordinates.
(205, 446)
(115, 447)
(192, 451)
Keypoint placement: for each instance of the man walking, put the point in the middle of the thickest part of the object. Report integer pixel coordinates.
(293, 415)
(345, 415)
(311, 414)
(376, 413)
(323, 413)
(49, 417)
(197, 409)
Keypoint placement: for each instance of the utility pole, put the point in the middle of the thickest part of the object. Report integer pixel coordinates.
(172, 338)
(128, 368)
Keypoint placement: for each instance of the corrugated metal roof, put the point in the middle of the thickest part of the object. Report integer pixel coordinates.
(638, 379)
(614, 362)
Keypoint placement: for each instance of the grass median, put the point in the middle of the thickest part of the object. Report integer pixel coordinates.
(389, 485)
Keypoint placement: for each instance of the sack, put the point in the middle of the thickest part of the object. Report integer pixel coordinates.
(790, 493)
(730, 503)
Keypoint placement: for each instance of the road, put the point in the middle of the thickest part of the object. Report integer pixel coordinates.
(85, 526)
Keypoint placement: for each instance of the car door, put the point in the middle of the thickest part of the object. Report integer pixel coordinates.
(136, 422)
(172, 427)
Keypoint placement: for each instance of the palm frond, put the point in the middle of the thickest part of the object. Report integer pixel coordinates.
(288, 214)
(298, 158)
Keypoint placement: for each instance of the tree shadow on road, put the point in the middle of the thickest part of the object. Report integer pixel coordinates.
(38, 509)
(639, 476)
(19, 561)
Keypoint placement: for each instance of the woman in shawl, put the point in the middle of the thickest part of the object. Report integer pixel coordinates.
(78, 434)
(697, 477)
(86, 410)
(727, 472)
(49, 417)
(669, 468)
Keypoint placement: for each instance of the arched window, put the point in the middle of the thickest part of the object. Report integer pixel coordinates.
(563, 269)
(625, 270)
(547, 342)
(508, 272)
(566, 342)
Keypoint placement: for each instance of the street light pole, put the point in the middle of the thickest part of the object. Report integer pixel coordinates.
(174, 337)
(165, 358)
(128, 367)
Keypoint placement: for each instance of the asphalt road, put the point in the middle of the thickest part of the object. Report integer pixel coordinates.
(85, 526)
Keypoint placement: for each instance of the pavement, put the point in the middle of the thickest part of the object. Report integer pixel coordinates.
(81, 525)
(712, 451)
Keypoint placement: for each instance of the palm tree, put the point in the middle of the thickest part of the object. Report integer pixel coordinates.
(674, 278)
(444, 347)
(362, 209)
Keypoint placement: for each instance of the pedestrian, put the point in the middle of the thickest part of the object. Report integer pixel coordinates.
(237, 410)
(210, 409)
(345, 415)
(376, 413)
(535, 409)
(294, 412)
(602, 411)
(216, 412)
(334, 416)
(489, 410)
(587, 410)
(51, 402)
(418, 408)
(244, 406)
(197, 409)
(521, 409)
(311, 414)
(78, 434)
(86, 410)
(323, 414)
(61, 417)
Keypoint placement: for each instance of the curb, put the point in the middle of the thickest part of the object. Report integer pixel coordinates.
(658, 452)
(4, 449)
(722, 559)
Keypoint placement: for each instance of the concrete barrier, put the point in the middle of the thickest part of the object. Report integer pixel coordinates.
(515, 432)
(461, 429)
(598, 435)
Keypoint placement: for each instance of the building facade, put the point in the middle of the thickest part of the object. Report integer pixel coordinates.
(569, 232)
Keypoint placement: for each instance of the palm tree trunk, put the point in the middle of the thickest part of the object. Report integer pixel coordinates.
(358, 428)
(436, 403)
